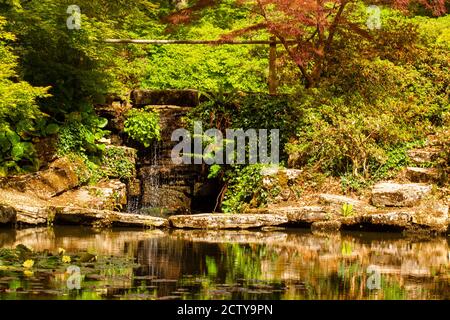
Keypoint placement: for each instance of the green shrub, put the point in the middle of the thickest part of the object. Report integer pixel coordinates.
(143, 126)
(347, 210)
(237, 110)
(18, 113)
(80, 134)
(244, 189)
(355, 131)
(78, 138)
(117, 164)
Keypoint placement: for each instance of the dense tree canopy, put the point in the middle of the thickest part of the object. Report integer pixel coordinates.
(366, 89)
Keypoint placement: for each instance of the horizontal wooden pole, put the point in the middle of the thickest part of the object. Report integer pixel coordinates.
(239, 42)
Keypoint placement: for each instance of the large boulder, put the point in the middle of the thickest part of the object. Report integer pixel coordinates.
(166, 199)
(106, 195)
(227, 221)
(23, 209)
(62, 175)
(389, 194)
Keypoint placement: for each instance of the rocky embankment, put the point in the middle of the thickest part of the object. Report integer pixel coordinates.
(56, 196)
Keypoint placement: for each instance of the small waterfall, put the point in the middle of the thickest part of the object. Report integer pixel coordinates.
(133, 204)
(166, 188)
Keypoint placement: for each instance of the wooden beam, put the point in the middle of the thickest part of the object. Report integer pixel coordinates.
(273, 81)
(218, 42)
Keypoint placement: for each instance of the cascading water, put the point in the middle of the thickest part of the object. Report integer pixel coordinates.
(162, 188)
(166, 188)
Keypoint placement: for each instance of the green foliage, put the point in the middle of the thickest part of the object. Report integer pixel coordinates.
(236, 110)
(75, 66)
(81, 138)
(18, 113)
(214, 171)
(143, 126)
(244, 189)
(78, 139)
(347, 210)
(88, 172)
(374, 102)
(117, 163)
(207, 67)
(78, 65)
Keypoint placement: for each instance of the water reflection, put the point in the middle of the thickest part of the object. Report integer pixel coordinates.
(236, 265)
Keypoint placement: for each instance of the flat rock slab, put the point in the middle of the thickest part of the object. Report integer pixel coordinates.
(422, 174)
(432, 217)
(227, 221)
(425, 155)
(22, 208)
(326, 226)
(388, 194)
(304, 214)
(86, 216)
(337, 201)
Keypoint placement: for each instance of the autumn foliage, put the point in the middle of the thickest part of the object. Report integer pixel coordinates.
(307, 28)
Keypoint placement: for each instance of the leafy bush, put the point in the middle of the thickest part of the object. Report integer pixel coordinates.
(237, 110)
(345, 129)
(244, 189)
(18, 113)
(117, 163)
(143, 126)
(207, 67)
(80, 134)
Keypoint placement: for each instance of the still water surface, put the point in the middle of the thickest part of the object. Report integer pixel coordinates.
(294, 264)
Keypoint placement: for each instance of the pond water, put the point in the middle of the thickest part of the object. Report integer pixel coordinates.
(286, 264)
